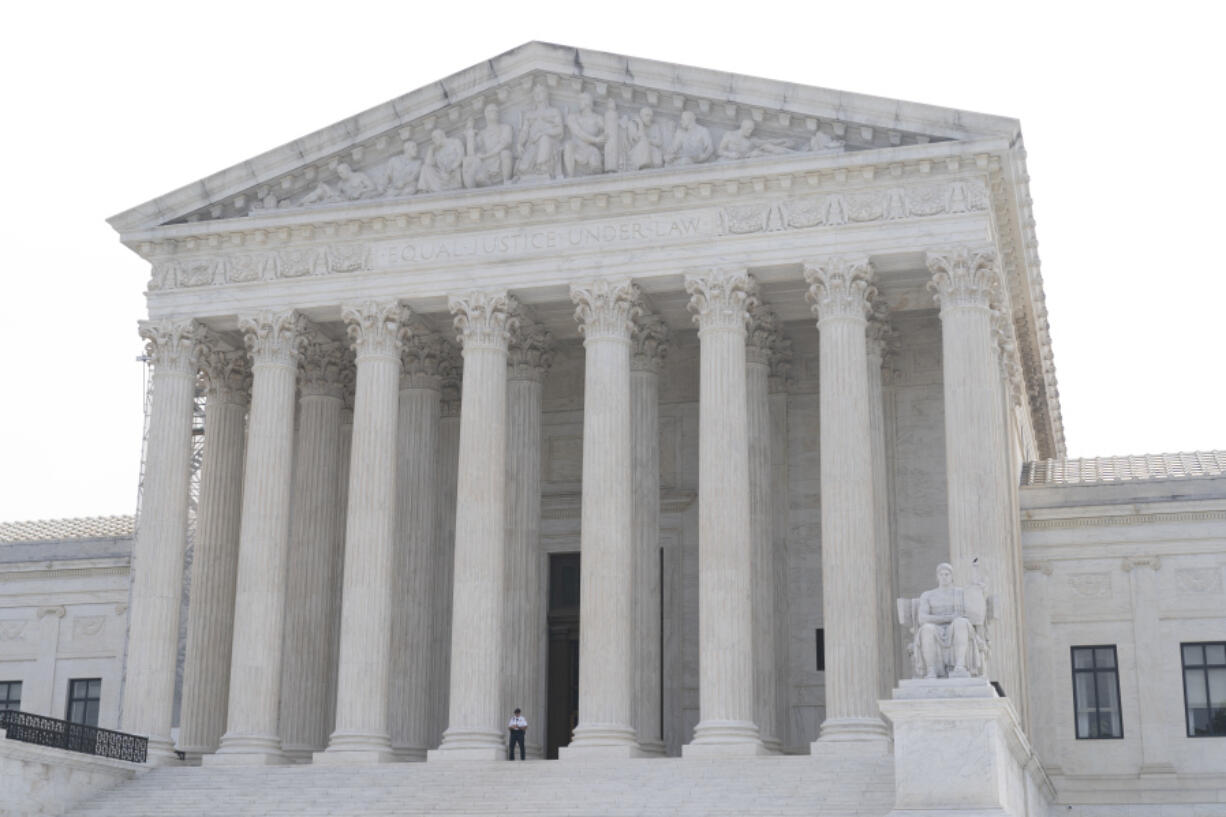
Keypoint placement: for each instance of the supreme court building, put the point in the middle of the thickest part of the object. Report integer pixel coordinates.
(634, 395)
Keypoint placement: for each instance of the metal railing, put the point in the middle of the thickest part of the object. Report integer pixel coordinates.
(75, 737)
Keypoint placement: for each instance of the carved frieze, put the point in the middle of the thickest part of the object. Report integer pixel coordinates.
(543, 128)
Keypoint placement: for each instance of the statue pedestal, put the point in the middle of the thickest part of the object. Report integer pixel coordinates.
(960, 750)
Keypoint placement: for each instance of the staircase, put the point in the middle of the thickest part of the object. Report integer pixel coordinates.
(841, 785)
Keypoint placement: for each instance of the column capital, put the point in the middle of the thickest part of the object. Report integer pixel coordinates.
(529, 350)
(649, 340)
(320, 367)
(373, 327)
(963, 277)
(721, 298)
(763, 334)
(225, 376)
(483, 318)
(840, 288)
(274, 337)
(421, 353)
(172, 344)
(605, 308)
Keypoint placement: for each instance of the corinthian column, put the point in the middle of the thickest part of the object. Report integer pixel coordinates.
(450, 371)
(777, 386)
(314, 536)
(210, 624)
(475, 726)
(274, 340)
(361, 731)
(413, 601)
(650, 338)
(720, 301)
(979, 480)
(840, 291)
(604, 310)
(530, 353)
(157, 555)
(763, 335)
(879, 339)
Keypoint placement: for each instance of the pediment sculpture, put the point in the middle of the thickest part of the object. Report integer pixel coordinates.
(947, 634)
(542, 141)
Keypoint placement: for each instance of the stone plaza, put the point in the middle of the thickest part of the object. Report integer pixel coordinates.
(648, 399)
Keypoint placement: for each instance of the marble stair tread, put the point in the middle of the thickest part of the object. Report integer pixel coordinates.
(775, 786)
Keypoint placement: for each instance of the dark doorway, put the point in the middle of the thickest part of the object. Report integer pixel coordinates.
(563, 694)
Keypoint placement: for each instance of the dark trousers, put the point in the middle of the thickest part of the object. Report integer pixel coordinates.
(517, 737)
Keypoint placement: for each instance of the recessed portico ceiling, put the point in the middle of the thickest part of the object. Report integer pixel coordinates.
(787, 119)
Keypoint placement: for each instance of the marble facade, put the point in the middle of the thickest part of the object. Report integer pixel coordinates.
(762, 354)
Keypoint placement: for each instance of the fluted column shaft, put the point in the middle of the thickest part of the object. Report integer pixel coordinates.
(650, 339)
(311, 573)
(979, 483)
(606, 662)
(840, 291)
(763, 332)
(273, 339)
(781, 362)
(210, 624)
(413, 601)
(721, 300)
(529, 357)
(444, 567)
(361, 729)
(475, 725)
(345, 447)
(878, 338)
(157, 555)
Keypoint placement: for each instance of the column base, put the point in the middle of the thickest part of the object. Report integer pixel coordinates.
(601, 740)
(409, 754)
(725, 739)
(773, 746)
(652, 748)
(470, 744)
(355, 747)
(300, 754)
(161, 752)
(248, 750)
(868, 731)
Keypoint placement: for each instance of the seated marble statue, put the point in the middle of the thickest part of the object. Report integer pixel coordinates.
(351, 185)
(441, 169)
(489, 158)
(691, 143)
(947, 628)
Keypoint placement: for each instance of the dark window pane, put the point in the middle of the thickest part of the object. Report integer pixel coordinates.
(1104, 657)
(1193, 654)
(1217, 688)
(1083, 658)
(1194, 684)
(1215, 654)
(1083, 700)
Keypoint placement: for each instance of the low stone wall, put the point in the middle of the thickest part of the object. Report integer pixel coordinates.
(39, 780)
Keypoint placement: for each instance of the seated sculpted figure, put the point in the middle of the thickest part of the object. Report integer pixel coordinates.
(351, 185)
(583, 153)
(949, 638)
(540, 137)
(402, 172)
(691, 143)
(441, 169)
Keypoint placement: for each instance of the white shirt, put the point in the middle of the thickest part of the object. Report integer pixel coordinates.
(517, 722)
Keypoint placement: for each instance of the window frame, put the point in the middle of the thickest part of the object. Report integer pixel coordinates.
(1094, 671)
(86, 700)
(8, 698)
(1204, 668)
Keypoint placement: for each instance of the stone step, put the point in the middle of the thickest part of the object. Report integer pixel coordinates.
(829, 787)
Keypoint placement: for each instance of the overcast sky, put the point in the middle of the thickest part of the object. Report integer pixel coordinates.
(111, 104)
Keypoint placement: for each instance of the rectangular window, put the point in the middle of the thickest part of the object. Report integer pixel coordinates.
(1096, 692)
(1204, 688)
(821, 649)
(10, 695)
(83, 697)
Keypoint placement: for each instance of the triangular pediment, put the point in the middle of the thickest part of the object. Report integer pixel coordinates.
(561, 114)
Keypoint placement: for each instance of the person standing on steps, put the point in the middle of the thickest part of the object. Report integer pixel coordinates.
(519, 727)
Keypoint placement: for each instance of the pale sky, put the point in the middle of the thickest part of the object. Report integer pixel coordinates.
(112, 104)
